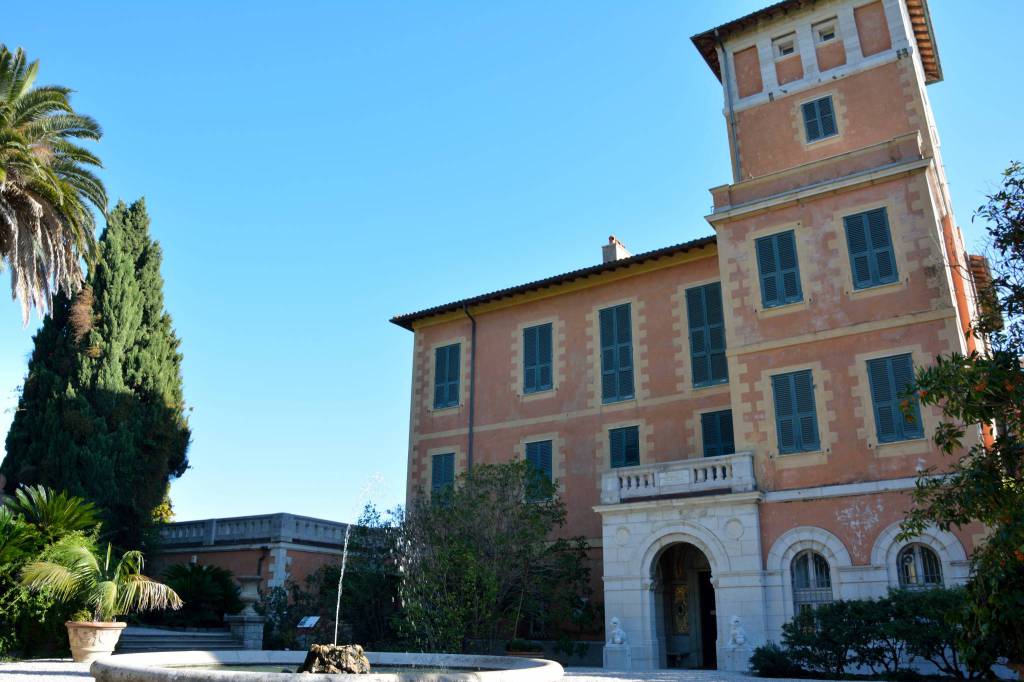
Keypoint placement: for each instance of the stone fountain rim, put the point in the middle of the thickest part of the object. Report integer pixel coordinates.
(162, 667)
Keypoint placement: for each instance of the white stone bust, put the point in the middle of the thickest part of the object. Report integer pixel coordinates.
(617, 636)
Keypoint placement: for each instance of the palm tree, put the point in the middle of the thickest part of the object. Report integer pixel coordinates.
(46, 185)
(53, 514)
(71, 568)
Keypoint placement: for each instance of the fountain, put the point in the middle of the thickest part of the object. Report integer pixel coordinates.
(284, 666)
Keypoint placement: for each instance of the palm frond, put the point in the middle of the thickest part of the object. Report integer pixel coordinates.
(46, 225)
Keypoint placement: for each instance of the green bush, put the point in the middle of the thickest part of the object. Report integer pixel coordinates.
(885, 635)
(209, 593)
(771, 660)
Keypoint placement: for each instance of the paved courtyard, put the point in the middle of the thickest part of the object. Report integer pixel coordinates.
(63, 670)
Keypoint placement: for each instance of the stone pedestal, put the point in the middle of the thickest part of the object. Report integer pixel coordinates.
(247, 629)
(247, 626)
(617, 657)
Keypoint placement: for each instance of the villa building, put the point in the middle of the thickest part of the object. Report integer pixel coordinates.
(725, 417)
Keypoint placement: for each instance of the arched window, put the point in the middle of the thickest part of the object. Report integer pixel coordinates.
(918, 567)
(812, 580)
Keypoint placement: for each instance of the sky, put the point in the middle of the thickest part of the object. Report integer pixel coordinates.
(314, 168)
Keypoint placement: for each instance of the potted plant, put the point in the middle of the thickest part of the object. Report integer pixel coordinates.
(72, 568)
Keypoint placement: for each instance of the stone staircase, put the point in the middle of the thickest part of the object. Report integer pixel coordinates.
(136, 639)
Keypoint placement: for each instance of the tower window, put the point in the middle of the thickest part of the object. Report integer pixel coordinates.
(819, 119)
(824, 31)
(784, 46)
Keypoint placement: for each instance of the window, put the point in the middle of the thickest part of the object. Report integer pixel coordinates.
(624, 444)
(819, 119)
(890, 380)
(442, 471)
(812, 581)
(870, 245)
(918, 567)
(784, 46)
(707, 335)
(616, 354)
(796, 421)
(824, 31)
(779, 270)
(538, 456)
(537, 358)
(446, 376)
(716, 429)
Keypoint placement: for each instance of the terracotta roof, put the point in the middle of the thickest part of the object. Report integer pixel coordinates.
(406, 321)
(920, 22)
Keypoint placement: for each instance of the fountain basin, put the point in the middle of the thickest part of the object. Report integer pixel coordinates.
(177, 666)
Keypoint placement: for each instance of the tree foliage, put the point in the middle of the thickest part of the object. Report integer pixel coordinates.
(46, 184)
(101, 413)
(32, 623)
(110, 585)
(480, 561)
(984, 390)
(208, 592)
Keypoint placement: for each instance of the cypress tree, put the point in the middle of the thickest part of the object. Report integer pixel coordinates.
(101, 413)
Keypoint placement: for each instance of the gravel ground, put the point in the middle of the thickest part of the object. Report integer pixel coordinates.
(64, 670)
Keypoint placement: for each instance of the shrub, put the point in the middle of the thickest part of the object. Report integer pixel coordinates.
(822, 638)
(771, 660)
(524, 645)
(209, 593)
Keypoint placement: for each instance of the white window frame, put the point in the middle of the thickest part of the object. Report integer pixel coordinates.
(785, 42)
(827, 26)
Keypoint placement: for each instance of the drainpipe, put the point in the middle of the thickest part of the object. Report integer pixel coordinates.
(472, 388)
(733, 145)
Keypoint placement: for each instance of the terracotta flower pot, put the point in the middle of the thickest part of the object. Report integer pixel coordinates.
(91, 640)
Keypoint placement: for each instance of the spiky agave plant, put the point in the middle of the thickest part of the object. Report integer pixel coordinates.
(72, 567)
(46, 185)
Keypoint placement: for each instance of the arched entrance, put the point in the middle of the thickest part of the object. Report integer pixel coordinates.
(684, 607)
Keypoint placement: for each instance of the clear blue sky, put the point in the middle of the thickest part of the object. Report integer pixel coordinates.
(313, 168)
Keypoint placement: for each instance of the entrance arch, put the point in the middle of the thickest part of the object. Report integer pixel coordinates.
(685, 621)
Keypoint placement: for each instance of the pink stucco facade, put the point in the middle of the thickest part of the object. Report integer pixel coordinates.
(841, 499)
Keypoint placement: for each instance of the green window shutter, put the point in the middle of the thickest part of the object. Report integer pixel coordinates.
(446, 376)
(538, 457)
(819, 119)
(530, 360)
(537, 358)
(544, 361)
(440, 374)
(779, 270)
(707, 335)
(616, 353)
(442, 470)
(624, 446)
(716, 428)
(811, 126)
(883, 258)
(826, 117)
(891, 380)
(796, 420)
(538, 454)
(870, 244)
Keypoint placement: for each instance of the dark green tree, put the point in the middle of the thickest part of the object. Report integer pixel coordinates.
(101, 413)
(985, 479)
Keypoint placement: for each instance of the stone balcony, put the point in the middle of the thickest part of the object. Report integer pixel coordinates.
(681, 478)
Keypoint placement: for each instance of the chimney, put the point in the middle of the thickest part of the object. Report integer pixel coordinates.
(614, 250)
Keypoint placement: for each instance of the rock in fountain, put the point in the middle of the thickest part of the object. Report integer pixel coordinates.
(334, 658)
